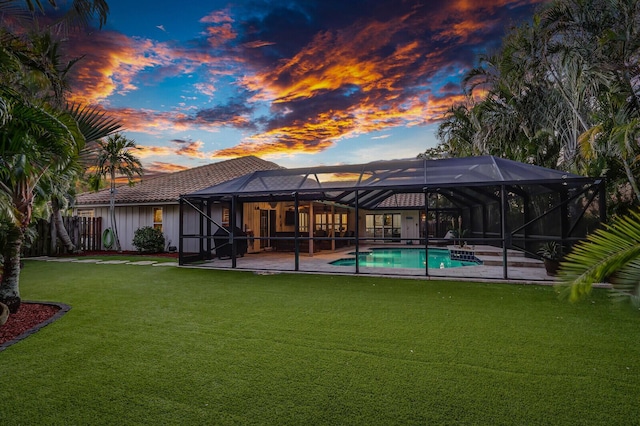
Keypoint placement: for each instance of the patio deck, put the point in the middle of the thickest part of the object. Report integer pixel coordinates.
(520, 269)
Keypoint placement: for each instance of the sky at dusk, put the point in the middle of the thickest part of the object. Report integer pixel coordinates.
(297, 82)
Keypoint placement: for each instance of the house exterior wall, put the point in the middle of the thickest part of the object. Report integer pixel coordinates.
(191, 226)
(131, 218)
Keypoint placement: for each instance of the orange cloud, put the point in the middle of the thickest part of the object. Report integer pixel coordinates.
(217, 17)
(185, 148)
(371, 75)
(334, 60)
(112, 63)
(258, 43)
(149, 121)
(150, 151)
(162, 167)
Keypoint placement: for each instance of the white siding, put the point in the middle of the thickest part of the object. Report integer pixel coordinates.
(131, 218)
(191, 226)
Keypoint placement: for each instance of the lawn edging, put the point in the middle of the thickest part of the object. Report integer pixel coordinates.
(63, 309)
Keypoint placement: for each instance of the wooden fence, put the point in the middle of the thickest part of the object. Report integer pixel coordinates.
(85, 233)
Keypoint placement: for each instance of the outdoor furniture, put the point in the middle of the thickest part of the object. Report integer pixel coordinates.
(289, 244)
(222, 245)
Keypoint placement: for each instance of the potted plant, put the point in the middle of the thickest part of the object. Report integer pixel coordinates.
(550, 252)
(458, 235)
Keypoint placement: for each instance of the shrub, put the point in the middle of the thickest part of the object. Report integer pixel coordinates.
(148, 239)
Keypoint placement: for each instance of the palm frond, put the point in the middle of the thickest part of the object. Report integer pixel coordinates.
(93, 122)
(626, 283)
(603, 255)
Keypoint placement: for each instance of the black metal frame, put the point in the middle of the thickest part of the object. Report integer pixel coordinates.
(376, 182)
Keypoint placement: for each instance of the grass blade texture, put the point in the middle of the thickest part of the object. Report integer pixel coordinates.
(165, 345)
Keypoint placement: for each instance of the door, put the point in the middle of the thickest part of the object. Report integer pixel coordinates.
(267, 227)
(411, 230)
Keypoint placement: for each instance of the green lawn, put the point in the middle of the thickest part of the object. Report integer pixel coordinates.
(164, 345)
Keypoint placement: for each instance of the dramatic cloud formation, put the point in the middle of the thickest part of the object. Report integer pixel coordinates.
(296, 76)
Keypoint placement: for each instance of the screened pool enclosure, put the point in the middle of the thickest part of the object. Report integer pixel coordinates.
(461, 202)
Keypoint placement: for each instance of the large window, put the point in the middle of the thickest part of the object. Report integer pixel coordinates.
(303, 222)
(157, 218)
(328, 222)
(387, 225)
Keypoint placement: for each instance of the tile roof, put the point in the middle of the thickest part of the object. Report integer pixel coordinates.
(169, 187)
(403, 201)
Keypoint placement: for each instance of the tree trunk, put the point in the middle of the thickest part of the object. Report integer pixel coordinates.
(112, 208)
(4, 314)
(10, 284)
(59, 226)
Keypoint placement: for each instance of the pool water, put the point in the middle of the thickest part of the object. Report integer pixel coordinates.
(402, 258)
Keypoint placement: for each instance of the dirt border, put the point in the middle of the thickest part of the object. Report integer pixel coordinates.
(64, 308)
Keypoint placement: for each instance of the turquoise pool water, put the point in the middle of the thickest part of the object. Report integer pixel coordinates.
(402, 258)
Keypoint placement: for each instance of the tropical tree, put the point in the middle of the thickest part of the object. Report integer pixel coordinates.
(610, 254)
(561, 92)
(35, 145)
(115, 157)
(39, 139)
(80, 14)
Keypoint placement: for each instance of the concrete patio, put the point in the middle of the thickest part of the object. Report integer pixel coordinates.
(520, 269)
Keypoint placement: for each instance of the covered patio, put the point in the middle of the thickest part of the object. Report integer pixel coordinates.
(469, 205)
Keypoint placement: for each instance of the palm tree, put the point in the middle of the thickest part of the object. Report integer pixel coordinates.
(609, 254)
(93, 125)
(79, 15)
(39, 140)
(45, 78)
(35, 144)
(561, 92)
(115, 157)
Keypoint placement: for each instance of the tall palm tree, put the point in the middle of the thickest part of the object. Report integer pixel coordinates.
(116, 158)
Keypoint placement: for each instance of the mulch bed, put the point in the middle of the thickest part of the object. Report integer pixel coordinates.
(31, 317)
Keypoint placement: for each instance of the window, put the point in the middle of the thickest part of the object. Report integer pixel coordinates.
(225, 216)
(86, 213)
(383, 225)
(303, 222)
(321, 221)
(157, 218)
(327, 222)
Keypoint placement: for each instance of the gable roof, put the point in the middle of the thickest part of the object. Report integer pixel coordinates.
(168, 188)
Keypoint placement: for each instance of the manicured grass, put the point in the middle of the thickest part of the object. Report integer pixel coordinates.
(162, 345)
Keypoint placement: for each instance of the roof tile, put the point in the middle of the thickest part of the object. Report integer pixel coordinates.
(169, 187)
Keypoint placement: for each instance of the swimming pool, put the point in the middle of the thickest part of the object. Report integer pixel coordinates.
(402, 258)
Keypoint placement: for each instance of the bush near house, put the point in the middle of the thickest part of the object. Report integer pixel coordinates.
(148, 239)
